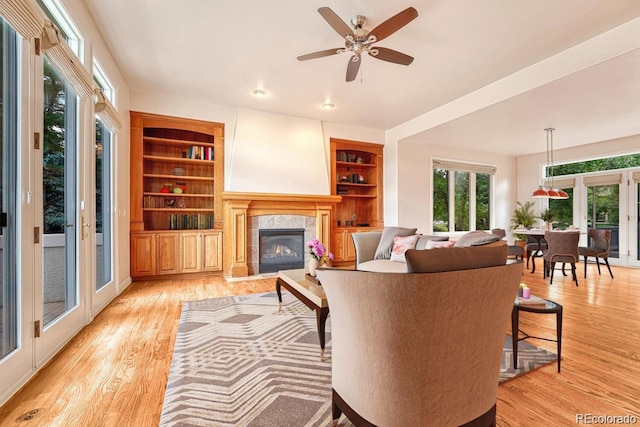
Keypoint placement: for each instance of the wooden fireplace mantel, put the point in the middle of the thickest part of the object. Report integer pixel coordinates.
(239, 206)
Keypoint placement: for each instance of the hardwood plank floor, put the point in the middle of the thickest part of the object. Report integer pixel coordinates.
(114, 372)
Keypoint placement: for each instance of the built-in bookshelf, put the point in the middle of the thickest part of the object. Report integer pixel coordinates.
(356, 169)
(177, 170)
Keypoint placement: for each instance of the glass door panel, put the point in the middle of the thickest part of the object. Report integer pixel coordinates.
(8, 185)
(603, 204)
(562, 210)
(103, 206)
(59, 196)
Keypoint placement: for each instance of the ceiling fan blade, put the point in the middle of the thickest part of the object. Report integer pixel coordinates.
(394, 23)
(319, 54)
(352, 68)
(335, 21)
(391, 55)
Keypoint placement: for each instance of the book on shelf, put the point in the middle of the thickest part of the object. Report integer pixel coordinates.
(198, 152)
(190, 221)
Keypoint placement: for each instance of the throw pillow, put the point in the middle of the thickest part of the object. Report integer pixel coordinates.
(383, 251)
(437, 260)
(476, 238)
(439, 244)
(424, 239)
(400, 246)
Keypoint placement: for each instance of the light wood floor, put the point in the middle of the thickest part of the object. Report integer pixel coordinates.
(115, 371)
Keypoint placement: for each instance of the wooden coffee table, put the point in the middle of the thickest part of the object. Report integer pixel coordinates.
(310, 293)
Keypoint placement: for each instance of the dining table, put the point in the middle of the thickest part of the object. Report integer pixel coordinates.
(538, 236)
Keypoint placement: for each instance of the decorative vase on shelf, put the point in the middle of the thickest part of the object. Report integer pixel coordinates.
(313, 264)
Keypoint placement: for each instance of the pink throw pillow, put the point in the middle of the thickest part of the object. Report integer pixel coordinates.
(431, 244)
(400, 246)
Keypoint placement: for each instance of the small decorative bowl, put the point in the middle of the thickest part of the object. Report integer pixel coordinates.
(178, 171)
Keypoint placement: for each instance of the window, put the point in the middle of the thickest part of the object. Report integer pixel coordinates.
(9, 90)
(59, 188)
(103, 205)
(562, 210)
(596, 165)
(462, 196)
(70, 33)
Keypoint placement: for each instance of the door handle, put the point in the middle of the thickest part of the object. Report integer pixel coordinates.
(85, 225)
(68, 225)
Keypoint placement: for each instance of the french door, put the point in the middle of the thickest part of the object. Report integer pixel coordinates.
(603, 212)
(16, 346)
(59, 308)
(104, 288)
(634, 221)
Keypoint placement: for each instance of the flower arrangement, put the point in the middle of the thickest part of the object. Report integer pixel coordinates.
(318, 251)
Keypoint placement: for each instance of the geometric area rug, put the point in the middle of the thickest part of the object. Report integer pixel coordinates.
(238, 361)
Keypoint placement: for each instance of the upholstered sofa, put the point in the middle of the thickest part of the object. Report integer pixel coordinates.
(421, 348)
(383, 251)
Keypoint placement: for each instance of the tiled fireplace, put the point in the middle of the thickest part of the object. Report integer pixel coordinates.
(247, 213)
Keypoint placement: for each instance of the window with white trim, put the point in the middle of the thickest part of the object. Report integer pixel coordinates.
(462, 196)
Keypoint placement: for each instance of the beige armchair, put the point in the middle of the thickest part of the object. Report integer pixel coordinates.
(419, 349)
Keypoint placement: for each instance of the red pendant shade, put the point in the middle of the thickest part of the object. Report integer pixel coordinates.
(550, 192)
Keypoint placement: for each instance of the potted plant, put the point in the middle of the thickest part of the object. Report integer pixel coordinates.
(523, 216)
(547, 216)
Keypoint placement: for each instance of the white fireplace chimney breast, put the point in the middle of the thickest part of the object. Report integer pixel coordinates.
(272, 153)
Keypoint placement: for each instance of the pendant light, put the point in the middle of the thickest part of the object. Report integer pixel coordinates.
(549, 192)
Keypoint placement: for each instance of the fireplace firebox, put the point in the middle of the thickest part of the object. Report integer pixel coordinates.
(280, 249)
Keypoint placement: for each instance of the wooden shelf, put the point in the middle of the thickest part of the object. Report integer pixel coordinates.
(175, 142)
(355, 164)
(180, 195)
(179, 177)
(177, 210)
(362, 196)
(180, 160)
(355, 184)
(364, 200)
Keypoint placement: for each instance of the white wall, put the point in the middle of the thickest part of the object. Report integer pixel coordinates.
(415, 175)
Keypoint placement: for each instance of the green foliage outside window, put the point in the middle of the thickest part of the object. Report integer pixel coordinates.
(461, 197)
(440, 200)
(53, 150)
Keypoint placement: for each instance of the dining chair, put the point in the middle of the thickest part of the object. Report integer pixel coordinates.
(600, 243)
(514, 250)
(533, 248)
(562, 246)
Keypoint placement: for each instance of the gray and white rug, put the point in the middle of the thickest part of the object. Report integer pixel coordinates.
(238, 361)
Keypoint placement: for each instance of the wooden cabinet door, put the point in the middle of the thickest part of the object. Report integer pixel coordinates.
(338, 246)
(212, 251)
(191, 252)
(349, 247)
(143, 254)
(168, 254)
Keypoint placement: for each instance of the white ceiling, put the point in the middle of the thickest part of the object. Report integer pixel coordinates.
(219, 51)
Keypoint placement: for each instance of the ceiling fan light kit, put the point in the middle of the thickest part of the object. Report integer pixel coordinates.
(359, 40)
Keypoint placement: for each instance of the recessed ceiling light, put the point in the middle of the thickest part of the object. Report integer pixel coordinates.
(260, 93)
(328, 106)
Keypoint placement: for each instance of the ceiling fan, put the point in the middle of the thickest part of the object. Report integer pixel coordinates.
(359, 40)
